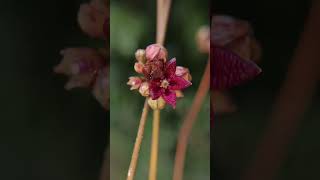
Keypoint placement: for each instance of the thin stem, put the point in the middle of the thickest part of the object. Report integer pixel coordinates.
(188, 122)
(154, 145)
(163, 9)
(137, 145)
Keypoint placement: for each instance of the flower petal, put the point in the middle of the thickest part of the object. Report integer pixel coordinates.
(178, 83)
(170, 97)
(155, 90)
(171, 68)
(229, 69)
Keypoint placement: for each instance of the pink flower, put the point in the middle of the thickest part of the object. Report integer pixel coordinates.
(93, 19)
(166, 85)
(156, 51)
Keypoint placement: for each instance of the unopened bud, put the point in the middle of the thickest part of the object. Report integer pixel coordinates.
(141, 55)
(144, 89)
(157, 104)
(134, 82)
(138, 67)
(156, 52)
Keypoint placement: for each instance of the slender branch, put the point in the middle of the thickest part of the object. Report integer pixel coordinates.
(188, 122)
(293, 100)
(154, 145)
(137, 145)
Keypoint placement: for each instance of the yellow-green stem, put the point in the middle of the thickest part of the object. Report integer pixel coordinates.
(154, 145)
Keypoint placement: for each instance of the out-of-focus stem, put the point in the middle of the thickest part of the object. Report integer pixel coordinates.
(154, 145)
(295, 96)
(188, 122)
(137, 145)
(163, 9)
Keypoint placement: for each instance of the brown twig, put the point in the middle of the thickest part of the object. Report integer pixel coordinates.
(188, 122)
(294, 98)
(137, 145)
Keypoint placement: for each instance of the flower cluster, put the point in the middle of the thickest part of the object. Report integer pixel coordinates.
(162, 80)
(87, 67)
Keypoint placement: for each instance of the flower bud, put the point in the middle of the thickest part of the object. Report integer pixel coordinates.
(138, 67)
(141, 55)
(179, 94)
(144, 89)
(183, 72)
(157, 104)
(134, 82)
(203, 39)
(156, 52)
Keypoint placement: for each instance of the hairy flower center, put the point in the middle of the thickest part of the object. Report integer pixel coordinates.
(164, 84)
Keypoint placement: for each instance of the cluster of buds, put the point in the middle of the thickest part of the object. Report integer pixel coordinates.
(87, 67)
(161, 80)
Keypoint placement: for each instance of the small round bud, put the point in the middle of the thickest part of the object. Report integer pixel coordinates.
(156, 52)
(203, 39)
(144, 89)
(134, 82)
(141, 55)
(138, 67)
(183, 72)
(157, 104)
(179, 94)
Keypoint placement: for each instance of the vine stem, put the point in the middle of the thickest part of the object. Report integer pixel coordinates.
(137, 145)
(154, 145)
(188, 122)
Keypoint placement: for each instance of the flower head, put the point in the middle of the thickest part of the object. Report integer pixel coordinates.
(162, 79)
(166, 85)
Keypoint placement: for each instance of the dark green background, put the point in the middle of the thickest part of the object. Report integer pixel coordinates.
(277, 25)
(46, 132)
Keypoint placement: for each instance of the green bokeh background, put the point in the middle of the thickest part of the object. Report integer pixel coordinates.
(277, 25)
(133, 25)
(46, 132)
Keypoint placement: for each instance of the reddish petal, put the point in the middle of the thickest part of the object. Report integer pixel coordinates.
(229, 69)
(170, 98)
(178, 83)
(155, 90)
(171, 68)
